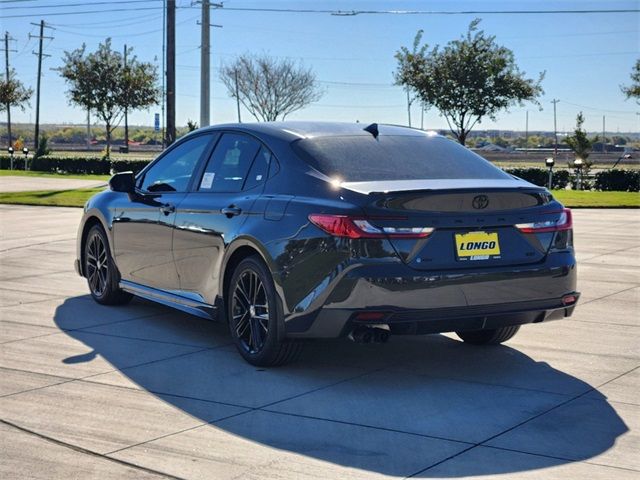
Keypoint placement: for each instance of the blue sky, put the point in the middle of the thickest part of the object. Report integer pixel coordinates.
(586, 57)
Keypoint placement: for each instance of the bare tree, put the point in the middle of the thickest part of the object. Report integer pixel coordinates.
(270, 89)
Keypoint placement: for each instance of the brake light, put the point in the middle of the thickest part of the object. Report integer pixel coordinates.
(351, 227)
(564, 222)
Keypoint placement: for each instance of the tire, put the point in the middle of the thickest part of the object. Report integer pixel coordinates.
(255, 316)
(100, 270)
(489, 337)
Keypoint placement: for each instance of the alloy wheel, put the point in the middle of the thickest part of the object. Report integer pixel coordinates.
(250, 310)
(97, 265)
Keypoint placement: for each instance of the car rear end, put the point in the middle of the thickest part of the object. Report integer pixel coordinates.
(456, 245)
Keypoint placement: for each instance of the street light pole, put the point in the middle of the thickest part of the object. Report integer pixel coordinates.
(555, 131)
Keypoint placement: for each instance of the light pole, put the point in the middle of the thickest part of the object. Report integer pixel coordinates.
(578, 164)
(25, 150)
(10, 150)
(550, 162)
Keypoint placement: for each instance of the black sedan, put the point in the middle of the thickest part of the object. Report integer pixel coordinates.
(289, 231)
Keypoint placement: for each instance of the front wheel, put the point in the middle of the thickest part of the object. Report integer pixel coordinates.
(489, 337)
(100, 270)
(254, 316)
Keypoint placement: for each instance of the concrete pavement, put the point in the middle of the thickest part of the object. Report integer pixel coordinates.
(144, 391)
(27, 184)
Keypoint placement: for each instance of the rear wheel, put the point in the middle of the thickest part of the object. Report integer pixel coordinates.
(254, 316)
(100, 270)
(489, 337)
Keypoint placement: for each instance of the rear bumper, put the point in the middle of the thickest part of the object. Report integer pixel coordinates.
(415, 302)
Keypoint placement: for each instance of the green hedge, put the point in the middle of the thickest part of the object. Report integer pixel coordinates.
(540, 176)
(618, 180)
(74, 165)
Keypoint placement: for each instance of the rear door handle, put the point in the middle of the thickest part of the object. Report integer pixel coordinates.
(168, 209)
(231, 211)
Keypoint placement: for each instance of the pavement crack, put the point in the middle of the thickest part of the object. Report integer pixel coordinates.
(88, 452)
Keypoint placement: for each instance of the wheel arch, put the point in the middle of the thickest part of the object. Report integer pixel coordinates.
(90, 221)
(240, 249)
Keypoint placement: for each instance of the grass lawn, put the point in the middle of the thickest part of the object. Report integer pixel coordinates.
(56, 198)
(29, 173)
(572, 198)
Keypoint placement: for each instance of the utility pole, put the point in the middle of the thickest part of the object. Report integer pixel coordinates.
(237, 95)
(7, 39)
(164, 72)
(205, 58)
(126, 109)
(604, 139)
(41, 37)
(170, 134)
(555, 131)
(205, 61)
(422, 117)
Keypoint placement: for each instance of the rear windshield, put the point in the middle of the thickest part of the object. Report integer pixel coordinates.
(362, 158)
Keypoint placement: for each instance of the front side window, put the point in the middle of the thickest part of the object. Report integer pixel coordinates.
(172, 173)
(230, 163)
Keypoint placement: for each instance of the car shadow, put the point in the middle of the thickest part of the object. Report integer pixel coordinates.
(433, 387)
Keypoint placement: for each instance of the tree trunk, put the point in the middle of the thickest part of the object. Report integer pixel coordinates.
(108, 127)
(462, 137)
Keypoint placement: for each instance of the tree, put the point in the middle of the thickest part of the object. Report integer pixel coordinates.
(270, 89)
(470, 78)
(12, 94)
(100, 82)
(633, 90)
(580, 143)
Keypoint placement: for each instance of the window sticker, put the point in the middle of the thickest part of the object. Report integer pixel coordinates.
(207, 180)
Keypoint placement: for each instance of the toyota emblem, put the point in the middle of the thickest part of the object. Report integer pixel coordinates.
(480, 202)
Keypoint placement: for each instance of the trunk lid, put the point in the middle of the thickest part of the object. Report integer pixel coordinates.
(473, 220)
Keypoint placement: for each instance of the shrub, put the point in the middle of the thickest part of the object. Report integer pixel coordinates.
(74, 165)
(540, 176)
(43, 147)
(618, 180)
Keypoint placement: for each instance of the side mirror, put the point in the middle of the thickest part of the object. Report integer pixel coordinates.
(123, 182)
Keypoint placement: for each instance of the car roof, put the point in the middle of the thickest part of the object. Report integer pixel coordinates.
(294, 130)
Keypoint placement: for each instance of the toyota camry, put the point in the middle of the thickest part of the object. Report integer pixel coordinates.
(293, 230)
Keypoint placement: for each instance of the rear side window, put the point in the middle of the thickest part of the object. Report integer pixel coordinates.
(259, 170)
(229, 165)
(364, 158)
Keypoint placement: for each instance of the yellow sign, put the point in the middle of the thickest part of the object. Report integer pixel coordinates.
(477, 245)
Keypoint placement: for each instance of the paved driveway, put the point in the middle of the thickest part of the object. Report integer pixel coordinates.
(143, 391)
(26, 184)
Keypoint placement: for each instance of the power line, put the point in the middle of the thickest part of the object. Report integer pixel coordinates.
(350, 12)
(427, 12)
(628, 112)
(68, 5)
(85, 12)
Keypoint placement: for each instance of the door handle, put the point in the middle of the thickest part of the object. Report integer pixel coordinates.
(168, 209)
(231, 211)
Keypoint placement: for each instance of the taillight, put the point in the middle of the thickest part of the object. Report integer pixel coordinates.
(352, 227)
(563, 222)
